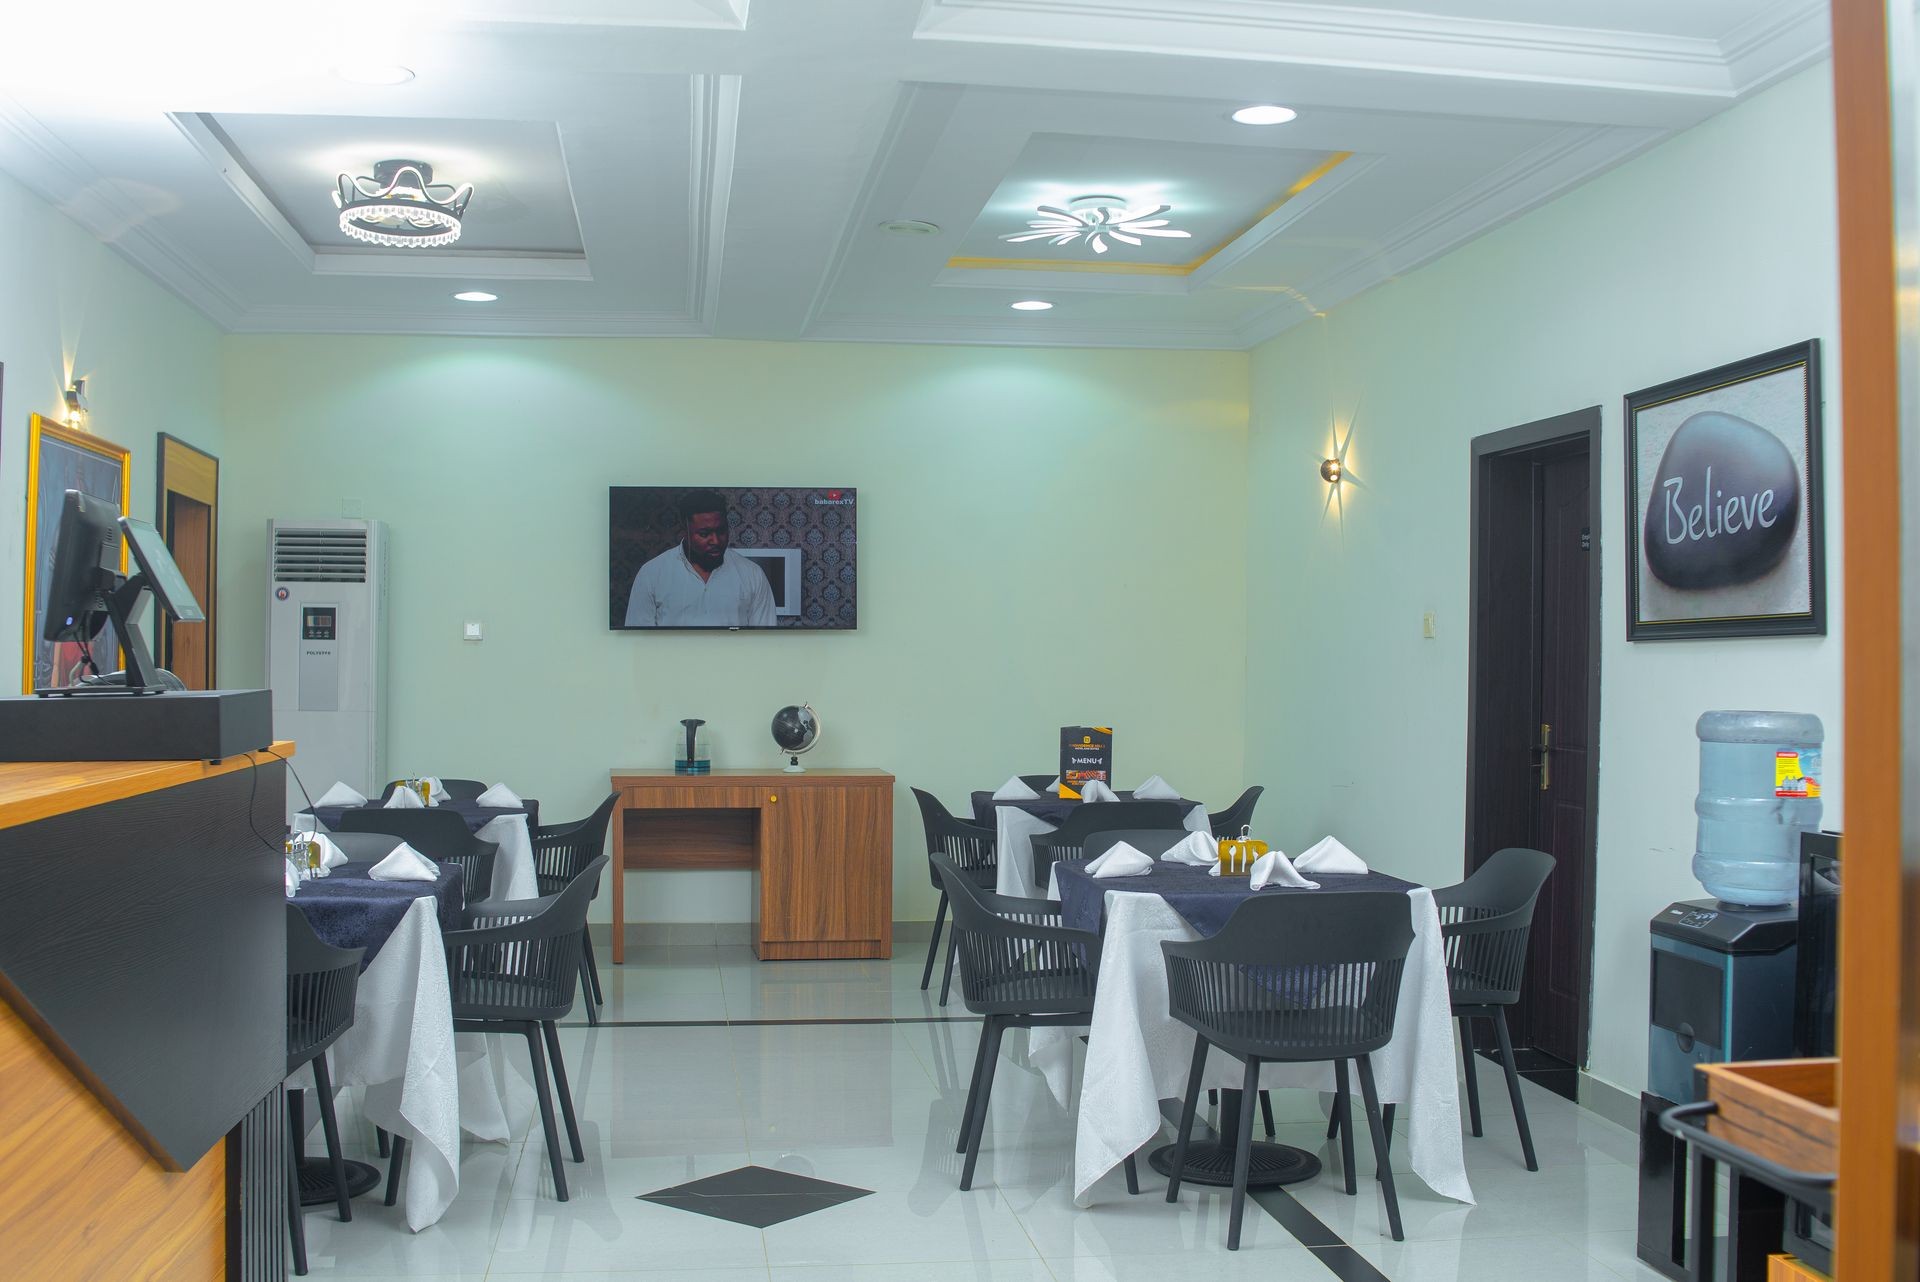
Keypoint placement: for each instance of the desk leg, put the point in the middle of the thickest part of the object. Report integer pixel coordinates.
(619, 883)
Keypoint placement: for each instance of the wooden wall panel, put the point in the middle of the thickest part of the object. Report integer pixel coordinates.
(82, 1198)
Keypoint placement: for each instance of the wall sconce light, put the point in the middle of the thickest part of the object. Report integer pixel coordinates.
(1331, 471)
(76, 398)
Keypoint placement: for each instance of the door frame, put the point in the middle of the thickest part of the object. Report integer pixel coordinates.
(163, 522)
(1576, 427)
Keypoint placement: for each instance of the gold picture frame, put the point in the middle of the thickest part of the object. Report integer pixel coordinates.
(60, 458)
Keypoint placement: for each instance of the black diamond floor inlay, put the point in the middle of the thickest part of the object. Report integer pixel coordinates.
(755, 1195)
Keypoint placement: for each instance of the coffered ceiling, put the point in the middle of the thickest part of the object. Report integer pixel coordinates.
(729, 167)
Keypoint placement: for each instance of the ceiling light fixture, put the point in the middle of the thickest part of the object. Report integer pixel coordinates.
(476, 296)
(1096, 219)
(910, 227)
(401, 205)
(1031, 305)
(1264, 114)
(373, 73)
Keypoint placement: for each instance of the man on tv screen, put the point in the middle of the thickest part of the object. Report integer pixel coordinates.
(701, 582)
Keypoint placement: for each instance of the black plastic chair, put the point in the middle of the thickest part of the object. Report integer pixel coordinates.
(440, 835)
(1229, 822)
(971, 849)
(514, 971)
(1038, 782)
(1293, 979)
(1020, 969)
(1068, 841)
(1484, 925)
(321, 981)
(561, 852)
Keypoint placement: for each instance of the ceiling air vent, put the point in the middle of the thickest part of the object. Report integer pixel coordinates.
(319, 556)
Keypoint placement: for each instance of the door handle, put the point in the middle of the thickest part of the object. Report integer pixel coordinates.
(1543, 756)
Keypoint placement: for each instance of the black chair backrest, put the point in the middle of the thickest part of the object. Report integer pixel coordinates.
(1296, 976)
(365, 847)
(437, 834)
(463, 789)
(1484, 924)
(1015, 958)
(321, 981)
(1068, 841)
(520, 959)
(1038, 782)
(562, 851)
(1229, 822)
(970, 847)
(1148, 841)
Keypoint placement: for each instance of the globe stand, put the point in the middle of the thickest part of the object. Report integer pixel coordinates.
(793, 767)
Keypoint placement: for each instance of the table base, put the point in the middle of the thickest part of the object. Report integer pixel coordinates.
(316, 1180)
(1211, 1161)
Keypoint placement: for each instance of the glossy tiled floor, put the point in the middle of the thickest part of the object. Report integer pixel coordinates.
(873, 1103)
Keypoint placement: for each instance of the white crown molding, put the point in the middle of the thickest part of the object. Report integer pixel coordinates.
(1564, 161)
(1038, 331)
(213, 146)
(1373, 39)
(715, 121)
(1776, 42)
(1291, 211)
(56, 173)
(1042, 282)
(710, 15)
(452, 265)
(480, 323)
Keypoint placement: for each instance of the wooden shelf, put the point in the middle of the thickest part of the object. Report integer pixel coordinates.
(1784, 1110)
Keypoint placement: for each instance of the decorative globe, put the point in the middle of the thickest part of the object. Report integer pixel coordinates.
(796, 730)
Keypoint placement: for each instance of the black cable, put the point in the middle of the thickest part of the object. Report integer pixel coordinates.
(253, 790)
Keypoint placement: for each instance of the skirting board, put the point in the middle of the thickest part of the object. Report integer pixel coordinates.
(641, 934)
(1604, 1099)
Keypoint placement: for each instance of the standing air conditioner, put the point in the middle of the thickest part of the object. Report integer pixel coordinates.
(327, 651)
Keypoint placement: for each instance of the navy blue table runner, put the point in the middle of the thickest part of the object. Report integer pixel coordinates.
(476, 815)
(1204, 902)
(349, 909)
(1050, 809)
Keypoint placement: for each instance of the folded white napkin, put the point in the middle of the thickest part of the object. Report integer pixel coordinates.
(1272, 869)
(1015, 789)
(500, 795)
(1053, 789)
(1155, 789)
(293, 881)
(340, 795)
(436, 792)
(405, 864)
(1122, 860)
(1327, 855)
(1197, 849)
(405, 798)
(1094, 790)
(331, 856)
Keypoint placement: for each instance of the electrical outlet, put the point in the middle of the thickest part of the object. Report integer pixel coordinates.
(472, 632)
(1426, 626)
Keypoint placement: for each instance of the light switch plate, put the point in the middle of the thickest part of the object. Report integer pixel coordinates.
(1427, 625)
(472, 632)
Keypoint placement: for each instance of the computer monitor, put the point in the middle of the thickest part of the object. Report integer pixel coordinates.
(86, 569)
(162, 572)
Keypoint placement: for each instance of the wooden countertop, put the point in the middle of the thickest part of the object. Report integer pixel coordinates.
(31, 790)
(772, 774)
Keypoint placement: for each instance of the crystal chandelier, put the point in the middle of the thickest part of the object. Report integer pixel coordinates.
(1096, 219)
(401, 205)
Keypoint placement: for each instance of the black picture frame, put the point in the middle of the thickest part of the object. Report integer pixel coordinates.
(1721, 615)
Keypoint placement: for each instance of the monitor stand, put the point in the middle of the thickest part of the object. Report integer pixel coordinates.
(142, 674)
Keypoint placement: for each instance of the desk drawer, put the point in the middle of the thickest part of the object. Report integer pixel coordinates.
(693, 796)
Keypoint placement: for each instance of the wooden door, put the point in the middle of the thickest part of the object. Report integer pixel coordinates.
(186, 510)
(825, 876)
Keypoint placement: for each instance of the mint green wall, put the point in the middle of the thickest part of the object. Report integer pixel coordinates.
(76, 308)
(1046, 538)
(1717, 245)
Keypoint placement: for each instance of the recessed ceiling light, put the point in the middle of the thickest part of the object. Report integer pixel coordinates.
(1032, 305)
(476, 296)
(1264, 114)
(910, 227)
(373, 73)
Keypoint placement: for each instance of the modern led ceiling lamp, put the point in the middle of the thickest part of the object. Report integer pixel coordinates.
(401, 206)
(1096, 219)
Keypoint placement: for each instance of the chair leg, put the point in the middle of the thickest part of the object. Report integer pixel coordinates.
(1188, 1108)
(380, 1138)
(1133, 1176)
(1513, 1086)
(1473, 1081)
(559, 1069)
(1371, 1098)
(593, 967)
(586, 984)
(933, 945)
(393, 1169)
(554, 1159)
(1334, 1112)
(296, 1226)
(1243, 1153)
(330, 1126)
(979, 1119)
(1266, 1113)
(973, 1092)
(1343, 1114)
(946, 978)
(1386, 1123)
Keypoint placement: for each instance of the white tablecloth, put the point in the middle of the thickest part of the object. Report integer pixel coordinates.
(513, 866)
(1014, 831)
(1138, 1055)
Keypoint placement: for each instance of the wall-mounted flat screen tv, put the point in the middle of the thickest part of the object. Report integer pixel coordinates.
(733, 557)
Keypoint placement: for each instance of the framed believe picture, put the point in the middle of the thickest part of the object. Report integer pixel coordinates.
(60, 459)
(1724, 502)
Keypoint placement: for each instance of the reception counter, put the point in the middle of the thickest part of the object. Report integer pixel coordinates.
(142, 1019)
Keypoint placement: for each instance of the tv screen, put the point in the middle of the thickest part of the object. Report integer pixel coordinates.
(730, 557)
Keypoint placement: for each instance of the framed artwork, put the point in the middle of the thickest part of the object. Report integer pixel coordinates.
(60, 459)
(1724, 502)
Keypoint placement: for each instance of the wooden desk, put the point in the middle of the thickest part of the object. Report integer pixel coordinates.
(820, 845)
(143, 1026)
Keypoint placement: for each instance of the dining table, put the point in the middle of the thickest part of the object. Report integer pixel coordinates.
(1016, 821)
(1138, 1054)
(508, 827)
